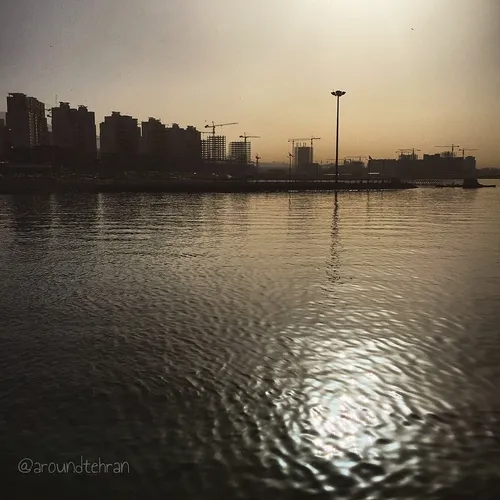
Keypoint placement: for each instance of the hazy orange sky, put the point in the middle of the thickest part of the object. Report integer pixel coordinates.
(270, 65)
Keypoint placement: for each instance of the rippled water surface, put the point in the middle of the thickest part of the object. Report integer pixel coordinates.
(280, 346)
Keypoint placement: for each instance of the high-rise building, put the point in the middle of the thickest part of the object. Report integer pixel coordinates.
(154, 138)
(26, 121)
(214, 148)
(184, 146)
(205, 149)
(303, 156)
(74, 129)
(240, 151)
(119, 135)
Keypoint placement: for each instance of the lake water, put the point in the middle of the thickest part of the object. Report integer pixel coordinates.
(282, 346)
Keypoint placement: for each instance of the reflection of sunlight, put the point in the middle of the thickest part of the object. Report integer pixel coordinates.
(342, 424)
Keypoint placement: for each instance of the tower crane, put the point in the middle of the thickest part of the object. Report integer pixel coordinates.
(407, 151)
(466, 149)
(219, 125)
(212, 145)
(293, 141)
(452, 146)
(257, 158)
(245, 137)
(312, 139)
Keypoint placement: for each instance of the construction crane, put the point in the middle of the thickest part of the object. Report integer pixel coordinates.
(293, 141)
(452, 146)
(213, 144)
(257, 158)
(466, 149)
(408, 151)
(411, 150)
(312, 139)
(219, 125)
(245, 137)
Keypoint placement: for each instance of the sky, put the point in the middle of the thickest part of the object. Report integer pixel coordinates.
(417, 73)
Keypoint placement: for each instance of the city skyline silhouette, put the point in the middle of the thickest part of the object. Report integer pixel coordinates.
(270, 66)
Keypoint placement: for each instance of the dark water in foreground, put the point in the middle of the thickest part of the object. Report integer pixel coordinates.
(252, 346)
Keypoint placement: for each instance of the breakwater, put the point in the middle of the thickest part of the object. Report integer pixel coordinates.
(46, 185)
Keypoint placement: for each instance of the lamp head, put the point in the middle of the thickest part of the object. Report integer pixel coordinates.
(338, 93)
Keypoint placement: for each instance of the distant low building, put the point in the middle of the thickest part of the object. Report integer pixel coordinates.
(349, 167)
(489, 171)
(354, 168)
(385, 167)
(445, 166)
(431, 166)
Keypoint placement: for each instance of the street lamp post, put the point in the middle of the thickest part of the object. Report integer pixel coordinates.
(338, 94)
(290, 156)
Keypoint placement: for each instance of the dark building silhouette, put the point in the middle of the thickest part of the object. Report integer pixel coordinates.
(432, 166)
(154, 139)
(2, 139)
(302, 157)
(447, 166)
(183, 146)
(170, 148)
(351, 167)
(119, 137)
(74, 130)
(26, 122)
(383, 166)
